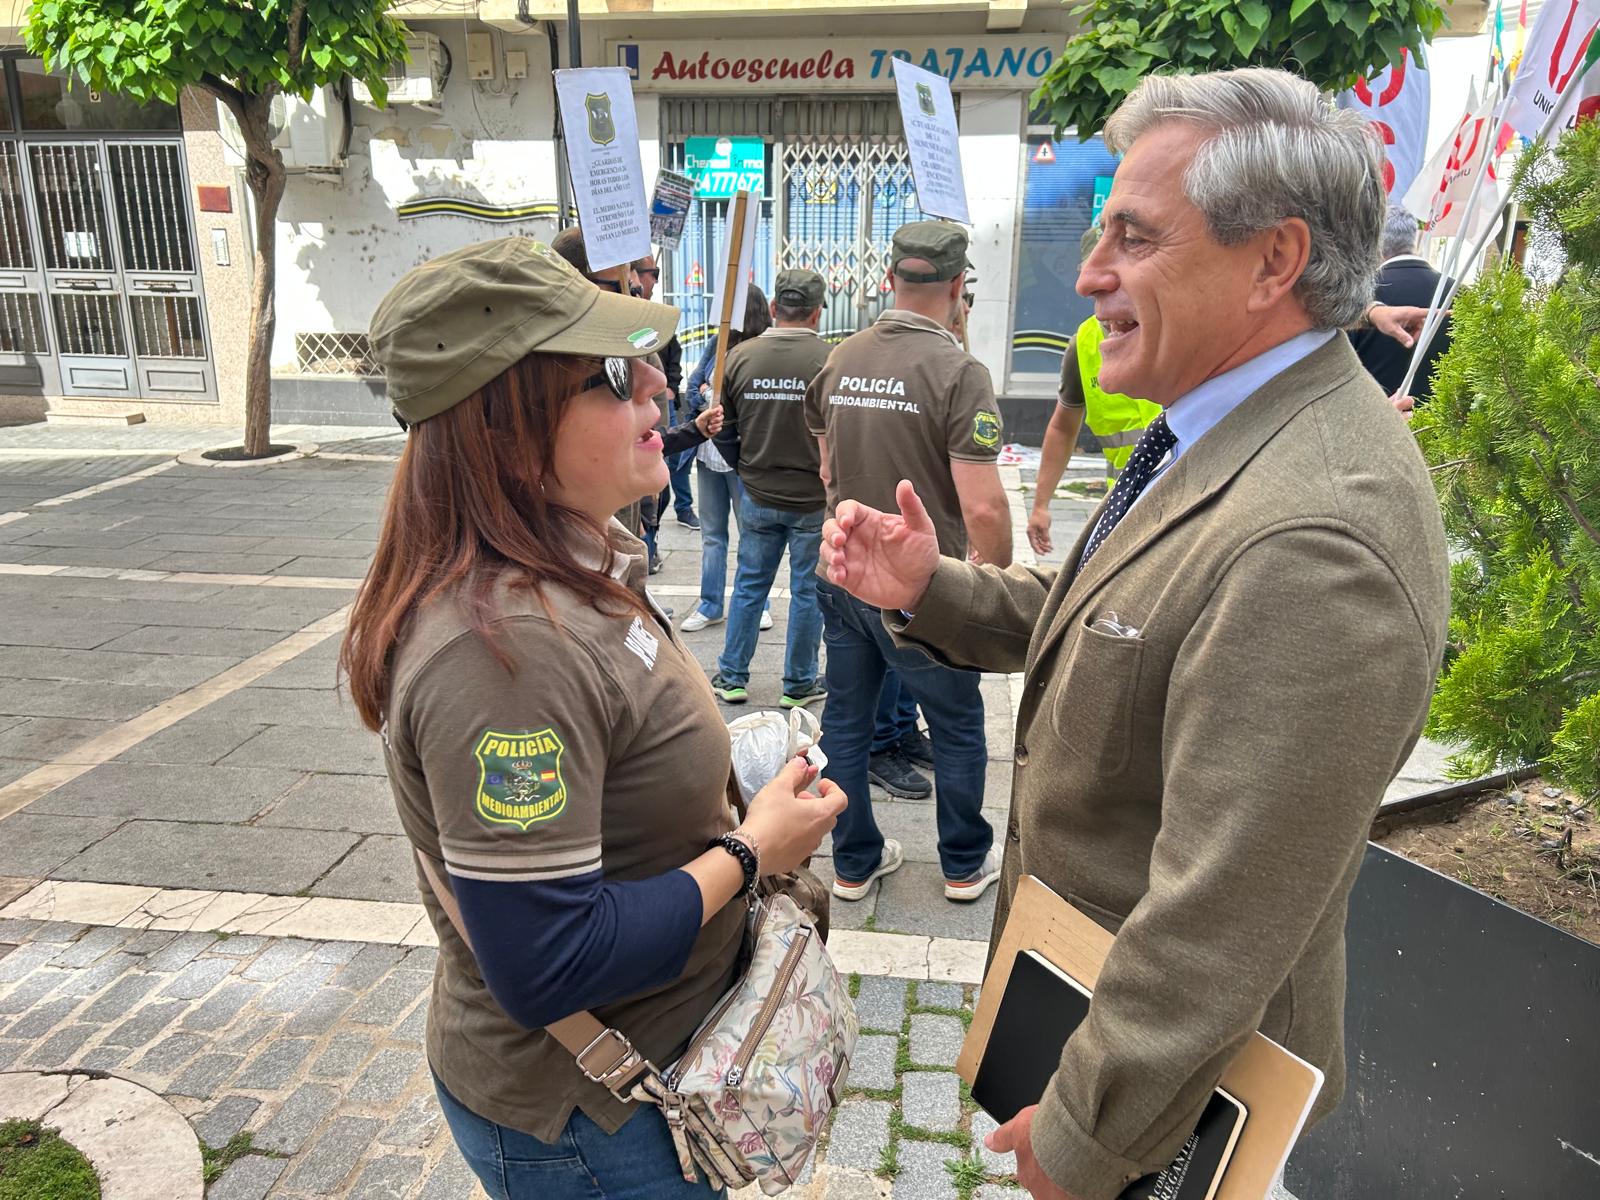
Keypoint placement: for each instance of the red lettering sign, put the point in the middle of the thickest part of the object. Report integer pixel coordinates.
(755, 70)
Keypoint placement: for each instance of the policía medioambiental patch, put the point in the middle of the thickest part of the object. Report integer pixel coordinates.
(519, 777)
(986, 429)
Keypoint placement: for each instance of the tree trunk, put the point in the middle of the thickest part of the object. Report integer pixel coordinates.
(265, 176)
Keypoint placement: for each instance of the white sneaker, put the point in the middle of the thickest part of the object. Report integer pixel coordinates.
(766, 619)
(888, 863)
(968, 889)
(697, 620)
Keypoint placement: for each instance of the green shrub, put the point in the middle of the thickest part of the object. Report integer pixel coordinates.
(1513, 440)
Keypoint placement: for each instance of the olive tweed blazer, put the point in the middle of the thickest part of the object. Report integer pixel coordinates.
(1204, 788)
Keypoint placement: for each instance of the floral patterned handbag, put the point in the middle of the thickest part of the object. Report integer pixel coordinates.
(767, 1066)
(748, 1099)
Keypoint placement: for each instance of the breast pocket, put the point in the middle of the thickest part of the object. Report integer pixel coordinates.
(1092, 711)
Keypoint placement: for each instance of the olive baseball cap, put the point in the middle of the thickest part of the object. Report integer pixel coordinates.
(800, 287)
(451, 325)
(941, 243)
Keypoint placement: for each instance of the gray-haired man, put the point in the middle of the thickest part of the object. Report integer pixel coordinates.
(1405, 278)
(1200, 750)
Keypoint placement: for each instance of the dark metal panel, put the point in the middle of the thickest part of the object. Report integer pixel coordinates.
(1472, 1035)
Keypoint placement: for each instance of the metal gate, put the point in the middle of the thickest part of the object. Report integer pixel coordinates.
(842, 204)
(24, 342)
(839, 184)
(99, 286)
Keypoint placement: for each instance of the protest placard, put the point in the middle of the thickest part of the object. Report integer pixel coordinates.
(669, 208)
(733, 277)
(602, 140)
(928, 112)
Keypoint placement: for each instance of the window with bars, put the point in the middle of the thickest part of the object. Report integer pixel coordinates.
(335, 354)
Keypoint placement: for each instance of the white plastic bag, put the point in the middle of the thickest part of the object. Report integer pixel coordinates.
(764, 741)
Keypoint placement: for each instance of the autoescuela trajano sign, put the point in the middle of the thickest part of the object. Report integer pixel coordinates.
(834, 64)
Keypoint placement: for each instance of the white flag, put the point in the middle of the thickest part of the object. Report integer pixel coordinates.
(1396, 102)
(1557, 59)
(1438, 197)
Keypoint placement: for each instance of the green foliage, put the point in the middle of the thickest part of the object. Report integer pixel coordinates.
(214, 1160)
(37, 1164)
(889, 1160)
(967, 1173)
(152, 49)
(1333, 43)
(1513, 440)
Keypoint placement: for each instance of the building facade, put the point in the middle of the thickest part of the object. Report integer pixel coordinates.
(125, 251)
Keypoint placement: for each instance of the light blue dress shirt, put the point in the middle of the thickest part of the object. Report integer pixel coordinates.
(1196, 413)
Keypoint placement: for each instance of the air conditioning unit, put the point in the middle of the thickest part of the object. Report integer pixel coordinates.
(311, 135)
(420, 81)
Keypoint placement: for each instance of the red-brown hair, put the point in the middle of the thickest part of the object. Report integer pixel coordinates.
(467, 509)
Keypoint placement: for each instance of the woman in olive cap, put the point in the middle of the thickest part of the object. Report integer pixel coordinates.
(555, 753)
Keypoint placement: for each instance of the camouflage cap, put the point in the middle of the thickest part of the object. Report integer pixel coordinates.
(800, 287)
(451, 325)
(941, 243)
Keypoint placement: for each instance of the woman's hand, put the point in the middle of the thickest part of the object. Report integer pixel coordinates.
(709, 422)
(786, 821)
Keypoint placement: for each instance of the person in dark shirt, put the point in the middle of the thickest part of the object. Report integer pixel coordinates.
(1404, 279)
(648, 272)
(764, 438)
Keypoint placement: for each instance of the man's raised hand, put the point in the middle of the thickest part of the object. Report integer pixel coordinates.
(882, 559)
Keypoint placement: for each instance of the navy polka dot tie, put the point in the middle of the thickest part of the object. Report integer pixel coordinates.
(1152, 447)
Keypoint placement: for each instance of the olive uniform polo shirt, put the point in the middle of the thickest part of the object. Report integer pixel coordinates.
(763, 402)
(897, 401)
(598, 745)
(1070, 392)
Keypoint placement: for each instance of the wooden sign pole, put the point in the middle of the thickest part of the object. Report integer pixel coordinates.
(730, 284)
(623, 271)
(961, 319)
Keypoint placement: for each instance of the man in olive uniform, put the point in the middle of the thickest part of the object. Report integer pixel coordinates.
(902, 400)
(764, 438)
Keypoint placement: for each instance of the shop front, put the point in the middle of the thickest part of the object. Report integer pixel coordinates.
(812, 126)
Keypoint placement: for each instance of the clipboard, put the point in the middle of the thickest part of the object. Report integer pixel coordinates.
(1276, 1087)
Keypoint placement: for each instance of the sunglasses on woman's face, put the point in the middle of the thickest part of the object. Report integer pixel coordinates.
(616, 374)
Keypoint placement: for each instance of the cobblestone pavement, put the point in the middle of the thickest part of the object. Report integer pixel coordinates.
(175, 760)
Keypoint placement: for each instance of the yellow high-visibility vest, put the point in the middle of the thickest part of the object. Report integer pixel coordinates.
(1117, 421)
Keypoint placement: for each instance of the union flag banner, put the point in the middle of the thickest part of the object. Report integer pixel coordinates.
(1396, 102)
(1560, 64)
(1438, 197)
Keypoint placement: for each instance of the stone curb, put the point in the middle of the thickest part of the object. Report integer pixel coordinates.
(197, 458)
(141, 1146)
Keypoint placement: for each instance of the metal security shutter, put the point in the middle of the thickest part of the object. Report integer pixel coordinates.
(707, 118)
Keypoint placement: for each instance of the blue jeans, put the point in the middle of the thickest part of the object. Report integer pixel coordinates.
(719, 497)
(764, 534)
(897, 713)
(680, 465)
(637, 1162)
(720, 493)
(860, 652)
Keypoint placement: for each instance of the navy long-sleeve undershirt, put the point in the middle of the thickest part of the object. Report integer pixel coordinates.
(552, 948)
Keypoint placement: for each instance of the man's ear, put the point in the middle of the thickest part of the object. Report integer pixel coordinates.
(1282, 254)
